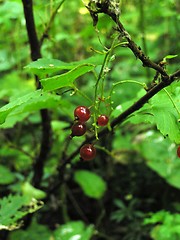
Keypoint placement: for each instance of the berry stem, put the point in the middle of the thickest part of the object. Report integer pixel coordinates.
(129, 81)
(82, 94)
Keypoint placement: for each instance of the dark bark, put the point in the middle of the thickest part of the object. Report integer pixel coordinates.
(45, 116)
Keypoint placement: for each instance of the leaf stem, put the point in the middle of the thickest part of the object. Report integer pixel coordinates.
(171, 99)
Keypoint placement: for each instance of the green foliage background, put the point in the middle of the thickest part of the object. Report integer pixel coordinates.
(136, 170)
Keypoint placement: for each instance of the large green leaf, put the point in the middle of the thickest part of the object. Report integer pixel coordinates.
(30, 102)
(13, 208)
(160, 155)
(166, 115)
(75, 230)
(92, 185)
(161, 111)
(65, 79)
(44, 66)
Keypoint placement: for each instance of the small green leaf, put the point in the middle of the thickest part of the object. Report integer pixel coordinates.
(31, 192)
(75, 230)
(65, 79)
(170, 56)
(6, 176)
(92, 185)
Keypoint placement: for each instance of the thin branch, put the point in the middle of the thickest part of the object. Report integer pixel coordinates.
(31, 29)
(138, 52)
(48, 26)
(45, 116)
(112, 10)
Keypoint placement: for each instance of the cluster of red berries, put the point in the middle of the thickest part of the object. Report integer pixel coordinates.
(82, 114)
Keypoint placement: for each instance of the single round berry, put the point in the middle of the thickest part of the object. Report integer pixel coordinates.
(82, 113)
(78, 129)
(102, 120)
(87, 152)
(178, 151)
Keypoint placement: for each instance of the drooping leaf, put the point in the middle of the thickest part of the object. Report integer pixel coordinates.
(65, 79)
(33, 101)
(75, 230)
(92, 185)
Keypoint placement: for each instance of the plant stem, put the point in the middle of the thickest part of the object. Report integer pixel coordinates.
(45, 116)
(142, 28)
(48, 26)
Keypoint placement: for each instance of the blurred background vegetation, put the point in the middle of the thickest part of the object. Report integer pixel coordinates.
(142, 173)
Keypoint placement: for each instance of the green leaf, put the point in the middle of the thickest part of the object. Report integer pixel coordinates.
(92, 185)
(168, 227)
(6, 176)
(44, 66)
(170, 57)
(35, 231)
(31, 192)
(65, 79)
(155, 217)
(160, 110)
(28, 103)
(165, 114)
(75, 230)
(13, 208)
(160, 155)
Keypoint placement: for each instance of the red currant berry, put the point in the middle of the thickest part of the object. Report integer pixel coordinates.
(87, 152)
(102, 120)
(78, 129)
(178, 151)
(82, 113)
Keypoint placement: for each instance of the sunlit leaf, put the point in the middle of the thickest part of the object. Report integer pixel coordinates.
(65, 79)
